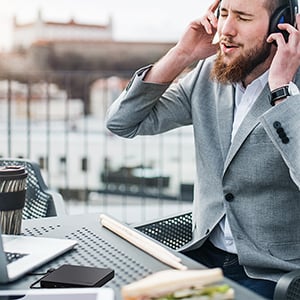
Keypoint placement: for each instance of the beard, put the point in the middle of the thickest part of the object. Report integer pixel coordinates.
(241, 66)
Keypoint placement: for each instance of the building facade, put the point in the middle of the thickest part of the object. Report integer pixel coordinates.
(40, 31)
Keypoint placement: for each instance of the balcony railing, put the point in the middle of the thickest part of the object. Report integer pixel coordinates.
(57, 119)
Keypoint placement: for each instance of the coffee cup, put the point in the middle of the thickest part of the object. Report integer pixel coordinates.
(12, 198)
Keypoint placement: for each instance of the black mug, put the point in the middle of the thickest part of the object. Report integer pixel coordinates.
(12, 198)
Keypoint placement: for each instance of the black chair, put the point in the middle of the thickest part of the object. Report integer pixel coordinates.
(40, 202)
(176, 230)
(288, 286)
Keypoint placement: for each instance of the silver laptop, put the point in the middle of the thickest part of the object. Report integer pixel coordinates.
(22, 254)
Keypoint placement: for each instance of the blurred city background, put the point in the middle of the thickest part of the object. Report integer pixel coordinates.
(62, 63)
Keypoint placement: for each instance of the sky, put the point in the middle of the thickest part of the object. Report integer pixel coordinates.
(152, 20)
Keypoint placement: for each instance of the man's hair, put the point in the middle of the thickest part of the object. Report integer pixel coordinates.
(272, 5)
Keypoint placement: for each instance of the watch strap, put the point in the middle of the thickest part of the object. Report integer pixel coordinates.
(279, 93)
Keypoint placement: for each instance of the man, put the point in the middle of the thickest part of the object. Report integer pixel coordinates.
(244, 106)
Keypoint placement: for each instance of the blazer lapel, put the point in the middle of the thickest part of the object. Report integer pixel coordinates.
(260, 106)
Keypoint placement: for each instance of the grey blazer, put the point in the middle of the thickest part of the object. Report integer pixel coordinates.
(255, 179)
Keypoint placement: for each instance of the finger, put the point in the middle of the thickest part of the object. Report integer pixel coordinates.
(209, 20)
(294, 35)
(287, 27)
(276, 37)
(213, 7)
(212, 19)
(207, 25)
(212, 10)
(297, 21)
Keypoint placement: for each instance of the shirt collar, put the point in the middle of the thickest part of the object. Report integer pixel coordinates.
(254, 88)
(259, 81)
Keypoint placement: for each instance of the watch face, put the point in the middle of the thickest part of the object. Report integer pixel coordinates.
(293, 89)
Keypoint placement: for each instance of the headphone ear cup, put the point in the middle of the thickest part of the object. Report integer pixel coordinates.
(281, 15)
(218, 11)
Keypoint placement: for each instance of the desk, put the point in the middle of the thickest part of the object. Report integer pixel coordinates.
(99, 247)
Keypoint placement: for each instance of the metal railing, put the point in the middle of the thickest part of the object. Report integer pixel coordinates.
(57, 119)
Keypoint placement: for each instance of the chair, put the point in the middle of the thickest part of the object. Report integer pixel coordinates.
(288, 286)
(176, 230)
(40, 202)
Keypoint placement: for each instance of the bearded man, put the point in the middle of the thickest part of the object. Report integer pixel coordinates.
(244, 105)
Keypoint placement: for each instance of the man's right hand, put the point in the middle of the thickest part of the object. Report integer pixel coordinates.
(197, 41)
(195, 44)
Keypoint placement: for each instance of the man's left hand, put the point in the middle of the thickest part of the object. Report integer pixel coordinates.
(287, 58)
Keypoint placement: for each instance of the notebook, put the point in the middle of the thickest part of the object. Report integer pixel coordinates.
(21, 254)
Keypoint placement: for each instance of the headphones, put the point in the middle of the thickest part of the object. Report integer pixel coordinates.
(285, 13)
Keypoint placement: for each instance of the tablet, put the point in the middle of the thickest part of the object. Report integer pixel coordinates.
(59, 294)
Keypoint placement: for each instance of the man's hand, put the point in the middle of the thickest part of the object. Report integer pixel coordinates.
(195, 44)
(197, 41)
(287, 58)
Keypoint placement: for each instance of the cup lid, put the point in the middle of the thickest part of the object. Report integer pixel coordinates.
(13, 172)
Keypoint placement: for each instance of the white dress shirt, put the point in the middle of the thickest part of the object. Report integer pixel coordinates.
(221, 236)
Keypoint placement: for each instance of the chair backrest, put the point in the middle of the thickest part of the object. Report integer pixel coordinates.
(40, 202)
(174, 231)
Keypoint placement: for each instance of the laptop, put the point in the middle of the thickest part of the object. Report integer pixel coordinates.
(21, 254)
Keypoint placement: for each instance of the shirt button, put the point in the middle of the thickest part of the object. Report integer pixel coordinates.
(229, 197)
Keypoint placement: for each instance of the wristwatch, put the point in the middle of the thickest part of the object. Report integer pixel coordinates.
(280, 93)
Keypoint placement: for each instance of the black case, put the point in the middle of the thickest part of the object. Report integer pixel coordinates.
(71, 276)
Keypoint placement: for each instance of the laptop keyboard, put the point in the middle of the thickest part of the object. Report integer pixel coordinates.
(10, 256)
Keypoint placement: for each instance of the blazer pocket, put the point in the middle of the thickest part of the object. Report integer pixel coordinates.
(288, 251)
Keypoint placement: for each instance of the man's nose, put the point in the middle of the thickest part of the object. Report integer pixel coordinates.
(228, 26)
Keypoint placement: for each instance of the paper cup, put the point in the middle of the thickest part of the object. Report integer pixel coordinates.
(12, 198)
